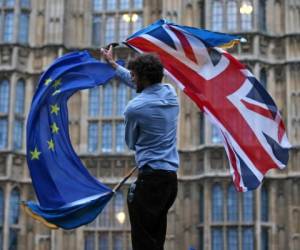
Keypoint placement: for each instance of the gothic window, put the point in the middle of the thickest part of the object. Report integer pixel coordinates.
(217, 203)
(232, 238)
(138, 4)
(124, 4)
(121, 98)
(248, 238)
(110, 4)
(201, 128)
(110, 30)
(201, 204)
(107, 99)
(247, 18)
(264, 203)
(20, 97)
(97, 5)
(3, 132)
(138, 24)
(103, 241)
(4, 96)
(18, 134)
(119, 209)
(14, 213)
(92, 136)
(217, 238)
(264, 238)
(94, 102)
(96, 27)
(217, 15)
(106, 137)
(9, 3)
(232, 204)
(8, 27)
(4, 106)
(123, 29)
(262, 15)
(89, 241)
(120, 135)
(232, 15)
(23, 27)
(263, 78)
(25, 3)
(248, 206)
(118, 241)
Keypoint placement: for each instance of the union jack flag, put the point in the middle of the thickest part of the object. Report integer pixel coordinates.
(226, 91)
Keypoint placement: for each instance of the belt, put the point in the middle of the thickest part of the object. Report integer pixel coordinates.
(148, 170)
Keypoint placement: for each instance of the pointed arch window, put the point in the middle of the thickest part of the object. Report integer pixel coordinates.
(263, 78)
(217, 203)
(264, 196)
(123, 30)
(248, 206)
(232, 15)
(107, 99)
(262, 15)
(120, 135)
(138, 24)
(14, 213)
(232, 204)
(20, 97)
(4, 96)
(94, 102)
(121, 98)
(247, 17)
(97, 5)
(8, 27)
(217, 15)
(23, 28)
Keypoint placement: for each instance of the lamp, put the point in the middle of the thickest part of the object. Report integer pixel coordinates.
(246, 8)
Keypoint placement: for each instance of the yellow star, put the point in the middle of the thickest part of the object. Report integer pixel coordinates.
(51, 144)
(35, 155)
(56, 92)
(48, 81)
(57, 83)
(54, 109)
(54, 128)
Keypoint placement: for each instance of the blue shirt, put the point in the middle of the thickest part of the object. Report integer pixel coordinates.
(151, 124)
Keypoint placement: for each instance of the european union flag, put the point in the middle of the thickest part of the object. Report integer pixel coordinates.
(68, 195)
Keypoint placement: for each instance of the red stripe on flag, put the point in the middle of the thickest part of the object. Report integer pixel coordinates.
(262, 111)
(185, 44)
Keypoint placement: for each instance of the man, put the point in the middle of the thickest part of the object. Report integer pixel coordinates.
(150, 130)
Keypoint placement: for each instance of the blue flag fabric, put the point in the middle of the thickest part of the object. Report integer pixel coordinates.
(68, 195)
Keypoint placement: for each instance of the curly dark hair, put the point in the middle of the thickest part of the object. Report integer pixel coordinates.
(148, 67)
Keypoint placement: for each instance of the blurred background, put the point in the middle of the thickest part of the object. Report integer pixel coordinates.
(208, 213)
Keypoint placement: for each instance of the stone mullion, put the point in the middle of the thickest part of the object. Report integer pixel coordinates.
(12, 84)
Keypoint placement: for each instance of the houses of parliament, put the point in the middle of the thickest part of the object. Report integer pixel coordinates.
(208, 213)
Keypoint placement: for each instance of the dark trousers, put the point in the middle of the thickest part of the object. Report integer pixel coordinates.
(149, 200)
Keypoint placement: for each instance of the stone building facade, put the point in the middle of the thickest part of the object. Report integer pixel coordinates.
(208, 213)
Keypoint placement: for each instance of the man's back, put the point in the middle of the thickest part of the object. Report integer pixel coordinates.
(151, 122)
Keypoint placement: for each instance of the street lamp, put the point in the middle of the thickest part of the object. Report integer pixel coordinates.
(121, 217)
(246, 8)
(130, 17)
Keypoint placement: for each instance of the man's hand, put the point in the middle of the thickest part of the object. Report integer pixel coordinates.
(108, 56)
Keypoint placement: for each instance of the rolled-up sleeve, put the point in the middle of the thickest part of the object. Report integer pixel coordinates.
(125, 76)
(131, 128)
